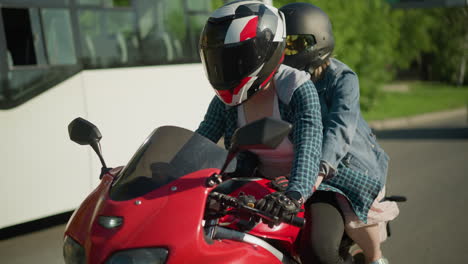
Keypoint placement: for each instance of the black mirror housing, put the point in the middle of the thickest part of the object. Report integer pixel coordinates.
(83, 132)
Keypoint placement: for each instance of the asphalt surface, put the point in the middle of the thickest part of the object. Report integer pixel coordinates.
(42, 247)
(429, 165)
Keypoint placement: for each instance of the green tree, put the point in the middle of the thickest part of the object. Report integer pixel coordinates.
(450, 37)
(414, 37)
(217, 3)
(436, 41)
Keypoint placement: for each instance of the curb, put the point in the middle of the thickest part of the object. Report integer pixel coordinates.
(409, 121)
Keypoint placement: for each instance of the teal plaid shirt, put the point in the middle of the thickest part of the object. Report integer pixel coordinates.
(303, 112)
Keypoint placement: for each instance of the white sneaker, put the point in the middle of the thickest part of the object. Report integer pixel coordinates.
(381, 260)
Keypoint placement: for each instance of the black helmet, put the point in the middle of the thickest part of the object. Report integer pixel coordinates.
(241, 47)
(310, 39)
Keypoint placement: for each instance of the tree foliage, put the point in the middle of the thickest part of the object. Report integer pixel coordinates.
(450, 45)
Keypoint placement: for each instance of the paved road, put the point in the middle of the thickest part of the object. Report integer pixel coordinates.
(429, 165)
(43, 247)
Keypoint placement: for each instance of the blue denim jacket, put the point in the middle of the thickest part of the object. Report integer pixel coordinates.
(348, 141)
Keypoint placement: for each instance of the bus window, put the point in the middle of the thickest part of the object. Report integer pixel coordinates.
(197, 14)
(25, 80)
(166, 32)
(58, 36)
(29, 33)
(117, 3)
(199, 5)
(3, 84)
(89, 2)
(25, 50)
(19, 36)
(106, 3)
(197, 23)
(108, 38)
(121, 25)
(153, 33)
(38, 36)
(41, 40)
(89, 24)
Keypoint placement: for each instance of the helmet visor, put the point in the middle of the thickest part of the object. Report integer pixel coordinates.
(227, 65)
(297, 43)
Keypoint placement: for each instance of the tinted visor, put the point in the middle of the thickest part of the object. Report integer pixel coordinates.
(227, 64)
(298, 43)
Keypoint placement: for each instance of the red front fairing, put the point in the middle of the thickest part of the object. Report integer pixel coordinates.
(169, 217)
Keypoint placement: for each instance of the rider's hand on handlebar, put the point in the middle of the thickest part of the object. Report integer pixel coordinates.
(280, 205)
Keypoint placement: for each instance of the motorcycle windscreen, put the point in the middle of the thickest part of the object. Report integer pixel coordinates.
(167, 154)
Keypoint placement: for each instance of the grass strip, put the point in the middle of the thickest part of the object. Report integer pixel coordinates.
(418, 98)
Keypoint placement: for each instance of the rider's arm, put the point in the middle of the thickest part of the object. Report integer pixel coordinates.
(212, 126)
(307, 135)
(341, 122)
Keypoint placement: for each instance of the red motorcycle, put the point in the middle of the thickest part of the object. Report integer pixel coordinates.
(173, 203)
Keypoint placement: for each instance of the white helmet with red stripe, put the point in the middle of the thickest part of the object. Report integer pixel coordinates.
(241, 47)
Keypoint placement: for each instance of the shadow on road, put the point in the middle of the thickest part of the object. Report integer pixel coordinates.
(423, 133)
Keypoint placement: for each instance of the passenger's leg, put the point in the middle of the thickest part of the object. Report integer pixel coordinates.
(321, 238)
(368, 239)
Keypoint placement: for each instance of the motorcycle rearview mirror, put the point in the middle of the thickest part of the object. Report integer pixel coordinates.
(265, 133)
(84, 132)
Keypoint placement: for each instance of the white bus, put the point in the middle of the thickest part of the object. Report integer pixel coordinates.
(128, 66)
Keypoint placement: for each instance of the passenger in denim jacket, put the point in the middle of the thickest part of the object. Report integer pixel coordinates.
(348, 138)
(350, 152)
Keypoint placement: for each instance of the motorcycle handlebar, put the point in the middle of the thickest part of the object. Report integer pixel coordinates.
(236, 203)
(296, 221)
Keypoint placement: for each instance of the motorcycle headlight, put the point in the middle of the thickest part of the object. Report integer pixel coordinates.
(139, 256)
(73, 253)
